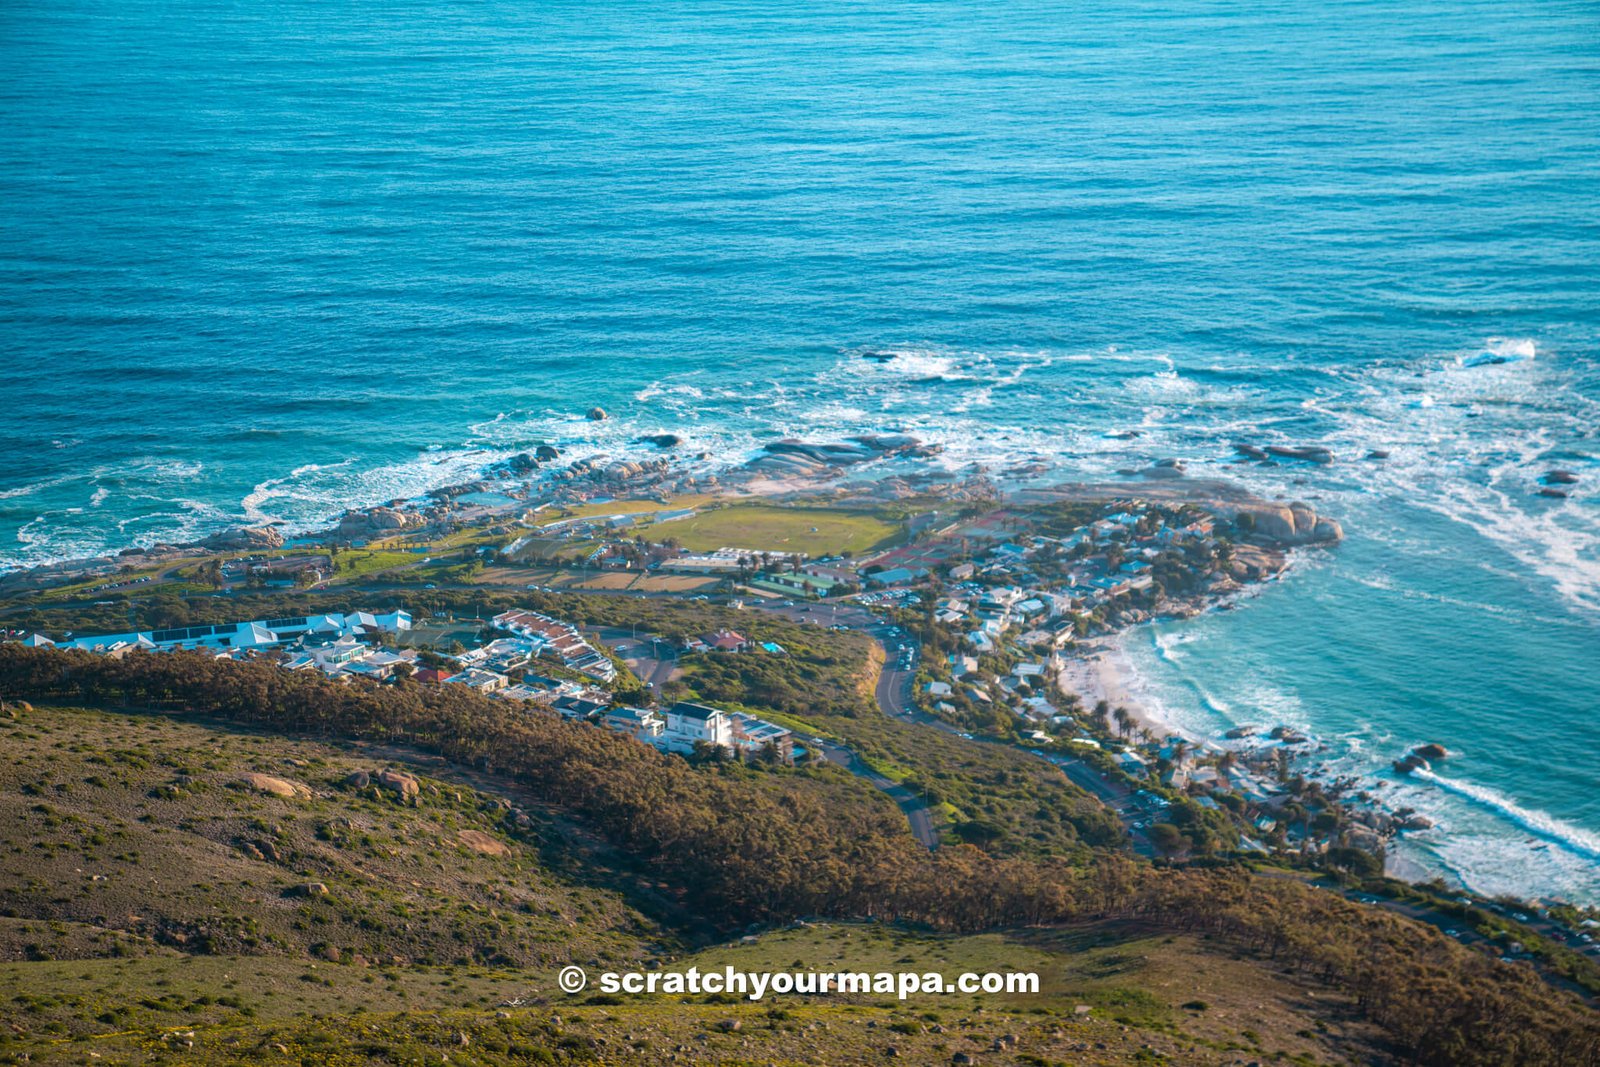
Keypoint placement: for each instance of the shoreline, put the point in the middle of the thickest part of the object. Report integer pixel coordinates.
(1099, 672)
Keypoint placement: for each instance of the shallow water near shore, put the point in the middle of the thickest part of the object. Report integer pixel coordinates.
(260, 264)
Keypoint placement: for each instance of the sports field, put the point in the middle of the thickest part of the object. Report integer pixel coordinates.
(772, 528)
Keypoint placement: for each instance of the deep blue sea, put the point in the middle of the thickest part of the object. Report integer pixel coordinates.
(263, 261)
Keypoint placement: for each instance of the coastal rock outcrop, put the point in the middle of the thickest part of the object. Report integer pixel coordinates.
(244, 539)
(517, 466)
(1419, 756)
(374, 521)
(1410, 762)
(597, 414)
(1287, 524)
(546, 453)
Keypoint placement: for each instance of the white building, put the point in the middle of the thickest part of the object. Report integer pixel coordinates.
(688, 723)
(256, 634)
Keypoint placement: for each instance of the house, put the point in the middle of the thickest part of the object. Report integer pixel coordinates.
(576, 707)
(341, 652)
(726, 641)
(479, 680)
(939, 689)
(503, 654)
(552, 637)
(642, 723)
(688, 722)
(1131, 763)
(751, 736)
(37, 641)
(432, 674)
(526, 693)
(961, 572)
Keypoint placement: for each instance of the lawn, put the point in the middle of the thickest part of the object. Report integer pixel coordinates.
(772, 528)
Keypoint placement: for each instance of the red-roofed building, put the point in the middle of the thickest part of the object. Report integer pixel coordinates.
(726, 641)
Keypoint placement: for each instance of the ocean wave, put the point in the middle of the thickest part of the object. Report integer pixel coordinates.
(1573, 838)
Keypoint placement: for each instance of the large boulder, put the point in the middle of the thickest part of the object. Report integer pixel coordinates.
(1287, 524)
(244, 539)
(373, 521)
(278, 787)
(403, 786)
(597, 414)
(660, 440)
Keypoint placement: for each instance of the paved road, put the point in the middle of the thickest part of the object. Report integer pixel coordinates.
(915, 808)
(896, 697)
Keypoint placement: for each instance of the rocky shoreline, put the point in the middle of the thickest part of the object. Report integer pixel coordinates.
(783, 468)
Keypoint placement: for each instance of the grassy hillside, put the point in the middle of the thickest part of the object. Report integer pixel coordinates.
(165, 875)
(143, 835)
(154, 874)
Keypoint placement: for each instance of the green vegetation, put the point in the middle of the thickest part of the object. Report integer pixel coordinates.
(729, 845)
(150, 889)
(774, 528)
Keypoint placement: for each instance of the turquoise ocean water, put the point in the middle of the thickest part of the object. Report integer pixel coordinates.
(259, 262)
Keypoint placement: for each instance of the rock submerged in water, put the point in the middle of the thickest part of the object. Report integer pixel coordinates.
(597, 414)
(660, 440)
(1250, 450)
(1419, 756)
(1163, 472)
(1378, 453)
(1410, 762)
(794, 457)
(1553, 494)
(1313, 453)
(1560, 477)
(545, 453)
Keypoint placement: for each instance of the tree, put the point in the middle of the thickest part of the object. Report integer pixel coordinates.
(1124, 720)
(1168, 838)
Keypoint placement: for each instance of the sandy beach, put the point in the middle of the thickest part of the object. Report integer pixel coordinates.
(1098, 670)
